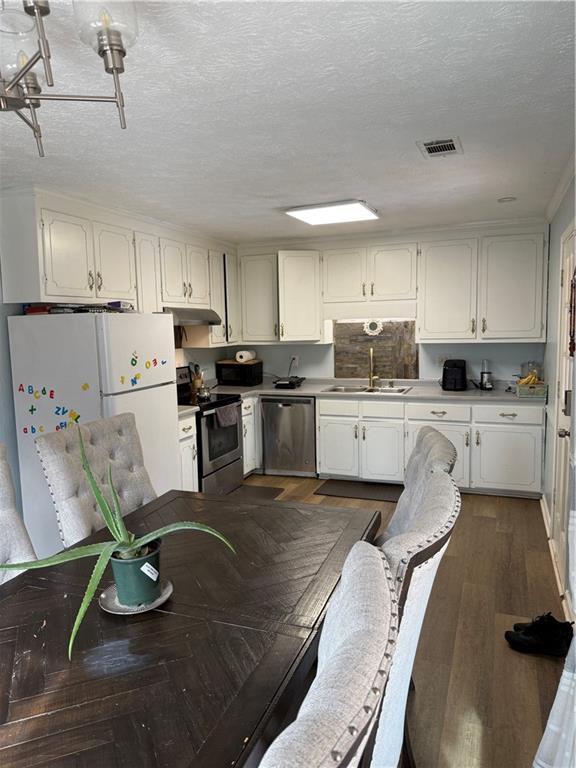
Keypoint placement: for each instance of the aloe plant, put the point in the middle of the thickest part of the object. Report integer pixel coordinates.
(125, 544)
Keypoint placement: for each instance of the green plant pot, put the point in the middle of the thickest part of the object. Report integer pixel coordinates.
(134, 578)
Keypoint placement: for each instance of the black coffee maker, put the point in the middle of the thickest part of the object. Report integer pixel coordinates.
(454, 377)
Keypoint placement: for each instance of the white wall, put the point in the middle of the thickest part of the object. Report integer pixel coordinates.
(7, 423)
(562, 219)
(316, 360)
(504, 359)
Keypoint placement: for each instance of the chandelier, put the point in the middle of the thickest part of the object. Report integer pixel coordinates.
(108, 27)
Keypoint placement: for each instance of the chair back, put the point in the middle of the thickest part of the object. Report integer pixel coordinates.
(15, 545)
(414, 558)
(354, 657)
(433, 452)
(112, 441)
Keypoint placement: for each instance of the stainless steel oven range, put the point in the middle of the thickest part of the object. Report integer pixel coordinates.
(220, 454)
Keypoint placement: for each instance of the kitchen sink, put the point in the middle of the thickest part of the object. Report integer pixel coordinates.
(370, 390)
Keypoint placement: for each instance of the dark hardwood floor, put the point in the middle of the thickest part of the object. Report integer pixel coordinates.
(477, 704)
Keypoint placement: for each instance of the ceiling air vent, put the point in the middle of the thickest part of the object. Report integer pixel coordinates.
(440, 147)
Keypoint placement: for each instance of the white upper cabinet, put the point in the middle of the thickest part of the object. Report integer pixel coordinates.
(392, 272)
(174, 271)
(68, 255)
(198, 280)
(259, 288)
(447, 280)
(217, 296)
(115, 262)
(147, 272)
(233, 311)
(344, 275)
(512, 281)
(299, 295)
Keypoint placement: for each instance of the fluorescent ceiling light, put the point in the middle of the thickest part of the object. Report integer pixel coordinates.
(333, 213)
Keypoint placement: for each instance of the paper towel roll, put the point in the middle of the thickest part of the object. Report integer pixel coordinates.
(245, 355)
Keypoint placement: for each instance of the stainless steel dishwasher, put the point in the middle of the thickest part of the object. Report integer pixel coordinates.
(289, 436)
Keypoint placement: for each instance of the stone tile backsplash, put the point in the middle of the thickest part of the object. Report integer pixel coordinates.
(395, 350)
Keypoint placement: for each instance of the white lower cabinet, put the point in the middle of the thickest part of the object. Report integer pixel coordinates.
(363, 440)
(251, 441)
(459, 436)
(382, 450)
(188, 454)
(338, 446)
(507, 457)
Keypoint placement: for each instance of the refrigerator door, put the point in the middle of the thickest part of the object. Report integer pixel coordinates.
(156, 412)
(56, 385)
(135, 351)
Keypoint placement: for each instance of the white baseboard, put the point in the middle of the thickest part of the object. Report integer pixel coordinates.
(546, 515)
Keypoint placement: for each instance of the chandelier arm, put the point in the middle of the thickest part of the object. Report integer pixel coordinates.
(22, 117)
(37, 130)
(119, 98)
(23, 71)
(44, 47)
(69, 97)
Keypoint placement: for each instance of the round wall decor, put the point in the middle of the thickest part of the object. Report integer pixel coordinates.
(373, 327)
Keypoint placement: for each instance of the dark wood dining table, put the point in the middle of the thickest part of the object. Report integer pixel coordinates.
(206, 680)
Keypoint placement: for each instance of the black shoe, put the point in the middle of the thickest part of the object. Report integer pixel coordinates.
(545, 623)
(550, 644)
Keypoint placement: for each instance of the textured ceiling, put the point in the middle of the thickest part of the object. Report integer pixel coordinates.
(237, 110)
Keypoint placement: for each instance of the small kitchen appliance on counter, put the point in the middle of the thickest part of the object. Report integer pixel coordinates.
(454, 378)
(232, 373)
(486, 377)
(290, 382)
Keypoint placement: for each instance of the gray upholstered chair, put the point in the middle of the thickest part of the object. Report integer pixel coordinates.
(15, 545)
(354, 657)
(114, 440)
(433, 452)
(413, 557)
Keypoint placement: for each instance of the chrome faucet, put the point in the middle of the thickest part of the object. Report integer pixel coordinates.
(371, 376)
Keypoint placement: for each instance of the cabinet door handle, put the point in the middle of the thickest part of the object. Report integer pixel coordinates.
(508, 415)
(190, 289)
(363, 433)
(187, 429)
(467, 439)
(473, 326)
(229, 331)
(484, 325)
(184, 289)
(356, 431)
(363, 289)
(281, 330)
(194, 452)
(90, 279)
(275, 330)
(99, 281)
(371, 289)
(244, 429)
(477, 437)
(438, 413)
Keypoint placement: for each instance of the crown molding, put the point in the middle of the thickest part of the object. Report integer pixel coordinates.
(561, 189)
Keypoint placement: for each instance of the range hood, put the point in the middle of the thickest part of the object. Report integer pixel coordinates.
(184, 316)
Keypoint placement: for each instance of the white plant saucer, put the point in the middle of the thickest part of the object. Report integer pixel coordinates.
(108, 601)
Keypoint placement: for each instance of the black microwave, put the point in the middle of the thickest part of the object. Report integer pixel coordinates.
(234, 374)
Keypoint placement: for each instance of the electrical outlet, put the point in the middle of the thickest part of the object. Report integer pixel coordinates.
(295, 361)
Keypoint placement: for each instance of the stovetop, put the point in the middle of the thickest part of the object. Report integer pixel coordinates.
(216, 401)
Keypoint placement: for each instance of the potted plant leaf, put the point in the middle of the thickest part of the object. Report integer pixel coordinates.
(135, 561)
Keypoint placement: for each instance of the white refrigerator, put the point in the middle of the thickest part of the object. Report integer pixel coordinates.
(74, 368)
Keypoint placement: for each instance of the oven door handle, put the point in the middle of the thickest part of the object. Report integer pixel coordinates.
(213, 411)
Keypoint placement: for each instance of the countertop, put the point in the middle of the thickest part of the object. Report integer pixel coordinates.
(187, 410)
(421, 390)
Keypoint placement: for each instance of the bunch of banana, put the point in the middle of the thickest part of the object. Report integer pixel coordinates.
(531, 378)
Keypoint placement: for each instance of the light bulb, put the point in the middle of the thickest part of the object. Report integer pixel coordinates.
(92, 18)
(17, 42)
